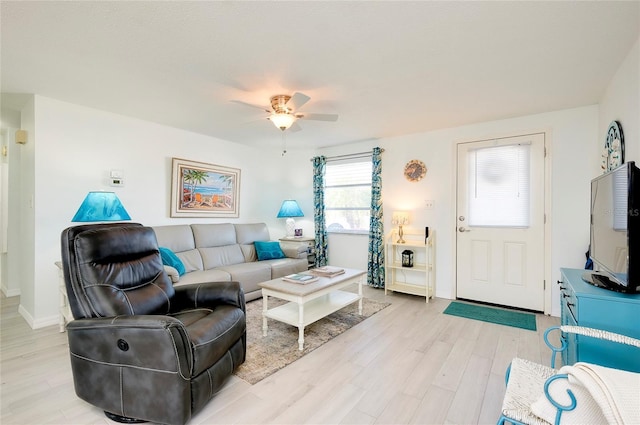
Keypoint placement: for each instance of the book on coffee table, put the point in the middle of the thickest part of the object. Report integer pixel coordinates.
(327, 271)
(300, 278)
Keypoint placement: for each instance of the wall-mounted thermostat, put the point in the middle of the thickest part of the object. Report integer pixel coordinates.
(117, 181)
(115, 178)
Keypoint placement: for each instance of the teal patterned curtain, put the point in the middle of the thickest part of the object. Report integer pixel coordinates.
(375, 268)
(319, 163)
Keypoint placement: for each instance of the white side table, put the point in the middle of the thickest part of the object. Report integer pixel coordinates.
(418, 279)
(63, 307)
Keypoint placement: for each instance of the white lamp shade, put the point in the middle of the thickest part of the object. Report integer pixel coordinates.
(400, 218)
(282, 120)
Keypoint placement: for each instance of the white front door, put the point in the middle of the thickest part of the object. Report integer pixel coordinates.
(500, 221)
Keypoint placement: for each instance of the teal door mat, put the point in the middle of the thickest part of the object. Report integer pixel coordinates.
(492, 315)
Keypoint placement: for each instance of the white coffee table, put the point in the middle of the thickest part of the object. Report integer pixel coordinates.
(309, 302)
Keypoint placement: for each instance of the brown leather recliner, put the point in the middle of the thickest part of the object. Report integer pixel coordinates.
(140, 348)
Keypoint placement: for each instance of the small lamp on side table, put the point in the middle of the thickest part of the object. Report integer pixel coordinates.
(288, 210)
(400, 218)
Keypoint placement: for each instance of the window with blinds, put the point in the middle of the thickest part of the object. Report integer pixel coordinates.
(347, 196)
(499, 186)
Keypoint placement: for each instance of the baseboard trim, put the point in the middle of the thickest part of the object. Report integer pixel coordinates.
(39, 323)
(10, 292)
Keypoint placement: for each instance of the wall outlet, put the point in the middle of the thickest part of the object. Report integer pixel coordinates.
(429, 204)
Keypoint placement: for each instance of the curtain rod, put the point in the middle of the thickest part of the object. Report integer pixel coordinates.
(350, 156)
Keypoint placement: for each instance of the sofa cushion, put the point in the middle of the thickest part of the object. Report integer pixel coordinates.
(177, 238)
(191, 259)
(249, 252)
(285, 266)
(268, 250)
(249, 233)
(203, 276)
(169, 258)
(221, 256)
(250, 274)
(210, 235)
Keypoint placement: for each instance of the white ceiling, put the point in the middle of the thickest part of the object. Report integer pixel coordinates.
(387, 68)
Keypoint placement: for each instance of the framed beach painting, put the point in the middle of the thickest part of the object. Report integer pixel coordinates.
(204, 190)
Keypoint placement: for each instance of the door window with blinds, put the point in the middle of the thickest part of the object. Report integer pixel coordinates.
(499, 186)
(347, 196)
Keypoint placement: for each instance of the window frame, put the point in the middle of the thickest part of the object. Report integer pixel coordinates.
(360, 160)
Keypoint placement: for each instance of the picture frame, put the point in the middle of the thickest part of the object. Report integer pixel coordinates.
(200, 189)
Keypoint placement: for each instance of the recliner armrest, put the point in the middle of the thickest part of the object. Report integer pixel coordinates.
(205, 295)
(145, 341)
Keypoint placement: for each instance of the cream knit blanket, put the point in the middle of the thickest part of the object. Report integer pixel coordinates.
(603, 395)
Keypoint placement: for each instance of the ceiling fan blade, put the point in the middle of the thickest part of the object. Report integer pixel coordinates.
(319, 117)
(251, 105)
(295, 127)
(297, 100)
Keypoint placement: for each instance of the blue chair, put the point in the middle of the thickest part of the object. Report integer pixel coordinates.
(527, 381)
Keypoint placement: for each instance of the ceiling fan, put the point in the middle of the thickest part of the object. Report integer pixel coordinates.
(284, 113)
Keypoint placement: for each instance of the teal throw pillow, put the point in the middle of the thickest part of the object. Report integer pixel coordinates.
(268, 250)
(169, 258)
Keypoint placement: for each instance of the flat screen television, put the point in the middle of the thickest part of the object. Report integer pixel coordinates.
(615, 230)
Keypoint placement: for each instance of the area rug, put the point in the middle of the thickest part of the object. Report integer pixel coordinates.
(493, 315)
(266, 355)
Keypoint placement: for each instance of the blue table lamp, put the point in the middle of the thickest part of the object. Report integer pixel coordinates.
(101, 206)
(288, 210)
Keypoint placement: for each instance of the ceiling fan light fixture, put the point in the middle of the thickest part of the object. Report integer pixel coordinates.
(282, 120)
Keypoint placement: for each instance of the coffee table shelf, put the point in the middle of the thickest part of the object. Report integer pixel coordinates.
(314, 310)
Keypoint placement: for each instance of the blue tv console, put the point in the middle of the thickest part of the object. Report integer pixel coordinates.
(585, 305)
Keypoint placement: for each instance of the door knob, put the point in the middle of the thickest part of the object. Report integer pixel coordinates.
(462, 229)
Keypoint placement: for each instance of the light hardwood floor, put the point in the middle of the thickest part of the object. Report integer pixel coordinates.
(408, 364)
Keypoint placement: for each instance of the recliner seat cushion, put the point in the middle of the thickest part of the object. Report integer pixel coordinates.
(212, 333)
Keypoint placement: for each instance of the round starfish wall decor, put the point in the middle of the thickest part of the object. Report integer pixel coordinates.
(415, 170)
(613, 151)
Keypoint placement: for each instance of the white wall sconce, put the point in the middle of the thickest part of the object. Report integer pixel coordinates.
(21, 137)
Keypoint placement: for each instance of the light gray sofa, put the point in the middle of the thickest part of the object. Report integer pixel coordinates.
(225, 252)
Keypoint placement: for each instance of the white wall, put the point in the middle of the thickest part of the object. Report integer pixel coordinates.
(75, 148)
(571, 135)
(621, 102)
